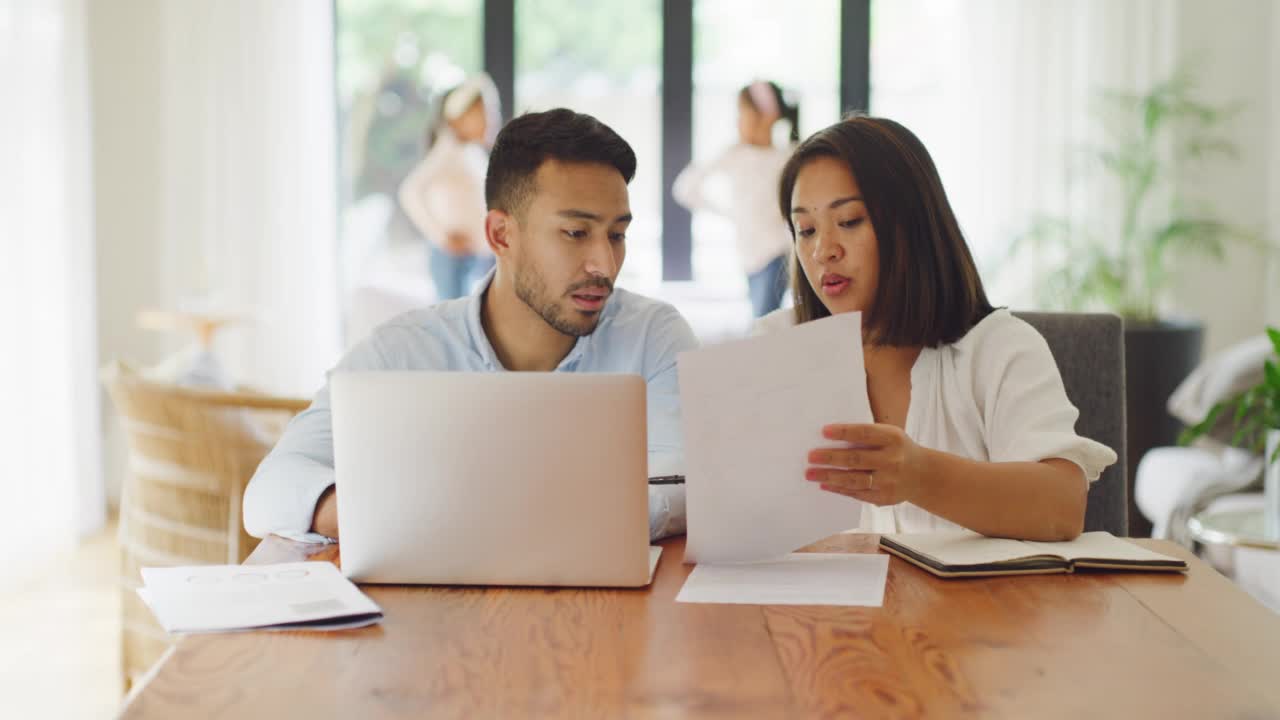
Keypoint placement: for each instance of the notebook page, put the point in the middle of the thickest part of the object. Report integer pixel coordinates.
(1100, 546)
(963, 547)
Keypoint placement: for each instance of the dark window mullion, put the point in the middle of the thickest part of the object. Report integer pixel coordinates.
(855, 55)
(677, 97)
(500, 51)
(677, 134)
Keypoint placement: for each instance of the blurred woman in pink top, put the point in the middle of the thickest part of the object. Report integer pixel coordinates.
(444, 194)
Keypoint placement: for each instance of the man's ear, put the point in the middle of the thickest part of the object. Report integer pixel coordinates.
(499, 231)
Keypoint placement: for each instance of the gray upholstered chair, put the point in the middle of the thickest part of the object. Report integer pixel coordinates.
(1090, 353)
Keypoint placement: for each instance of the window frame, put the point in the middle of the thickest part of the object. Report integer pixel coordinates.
(499, 43)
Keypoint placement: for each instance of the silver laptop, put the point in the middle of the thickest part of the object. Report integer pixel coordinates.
(491, 478)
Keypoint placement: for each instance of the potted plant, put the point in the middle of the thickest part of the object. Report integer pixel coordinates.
(1255, 418)
(1124, 262)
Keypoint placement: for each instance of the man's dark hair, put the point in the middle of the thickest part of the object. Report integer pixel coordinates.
(533, 138)
(929, 291)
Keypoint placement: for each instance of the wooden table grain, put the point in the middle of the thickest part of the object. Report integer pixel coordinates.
(1088, 645)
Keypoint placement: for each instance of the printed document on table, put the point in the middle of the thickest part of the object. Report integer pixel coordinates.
(287, 596)
(797, 579)
(752, 410)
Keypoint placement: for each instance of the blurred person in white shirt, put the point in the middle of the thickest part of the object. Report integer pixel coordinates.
(741, 185)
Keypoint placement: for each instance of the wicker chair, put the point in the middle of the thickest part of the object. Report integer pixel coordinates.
(191, 453)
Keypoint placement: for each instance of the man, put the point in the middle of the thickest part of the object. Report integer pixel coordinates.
(558, 211)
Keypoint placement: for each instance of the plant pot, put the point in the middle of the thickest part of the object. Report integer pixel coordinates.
(1271, 488)
(1157, 357)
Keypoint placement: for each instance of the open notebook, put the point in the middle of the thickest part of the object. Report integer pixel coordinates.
(967, 554)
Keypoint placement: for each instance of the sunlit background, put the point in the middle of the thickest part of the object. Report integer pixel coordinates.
(168, 162)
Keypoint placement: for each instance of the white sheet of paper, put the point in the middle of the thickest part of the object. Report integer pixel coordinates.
(797, 579)
(219, 598)
(752, 411)
(313, 625)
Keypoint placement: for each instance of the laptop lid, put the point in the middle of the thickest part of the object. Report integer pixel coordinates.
(491, 478)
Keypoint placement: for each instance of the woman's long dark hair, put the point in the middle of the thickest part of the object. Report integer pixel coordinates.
(929, 292)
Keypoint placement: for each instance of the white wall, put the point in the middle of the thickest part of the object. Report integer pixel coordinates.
(250, 172)
(124, 46)
(1273, 188)
(214, 158)
(212, 153)
(1232, 44)
(49, 440)
(125, 86)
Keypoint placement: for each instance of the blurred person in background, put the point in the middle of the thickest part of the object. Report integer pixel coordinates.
(444, 194)
(741, 184)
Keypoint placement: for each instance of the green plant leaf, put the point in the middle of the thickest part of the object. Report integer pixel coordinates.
(1196, 234)
(1193, 433)
(1126, 265)
(1202, 147)
(1275, 340)
(1123, 162)
(1247, 401)
(1152, 112)
(1045, 230)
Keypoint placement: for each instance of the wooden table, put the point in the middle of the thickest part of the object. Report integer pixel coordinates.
(1050, 646)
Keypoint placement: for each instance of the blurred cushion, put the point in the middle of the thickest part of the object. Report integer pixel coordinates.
(1171, 482)
(1220, 378)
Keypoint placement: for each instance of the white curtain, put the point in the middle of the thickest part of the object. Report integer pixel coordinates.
(50, 477)
(1003, 93)
(1273, 277)
(249, 164)
(216, 165)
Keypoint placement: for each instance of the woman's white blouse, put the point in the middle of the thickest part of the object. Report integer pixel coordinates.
(995, 395)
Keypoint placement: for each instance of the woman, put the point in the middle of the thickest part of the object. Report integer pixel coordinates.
(747, 173)
(444, 194)
(972, 426)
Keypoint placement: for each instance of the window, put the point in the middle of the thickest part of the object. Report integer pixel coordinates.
(797, 46)
(393, 58)
(603, 58)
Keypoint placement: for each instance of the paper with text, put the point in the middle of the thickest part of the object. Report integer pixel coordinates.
(220, 598)
(797, 579)
(752, 409)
